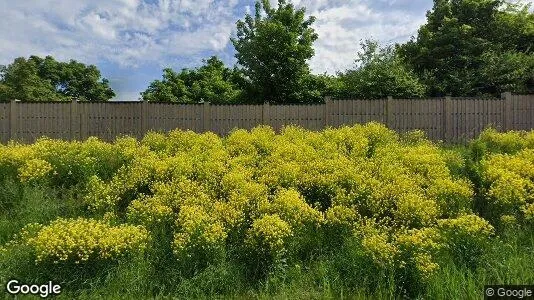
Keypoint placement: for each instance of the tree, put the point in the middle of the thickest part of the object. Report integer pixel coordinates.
(20, 80)
(45, 79)
(212, 82)
(507, 71)
(273, 48)
(461, 37)
(379, 73)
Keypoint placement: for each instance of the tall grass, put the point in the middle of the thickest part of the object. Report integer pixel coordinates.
(24, 204)
(321, 279)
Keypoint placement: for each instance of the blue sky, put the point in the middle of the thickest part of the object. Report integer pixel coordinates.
(131, 41)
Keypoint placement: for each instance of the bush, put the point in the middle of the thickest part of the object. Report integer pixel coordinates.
(466, 237)
(506, 142)
(267, 241)
(398, 206)
(79, 240)
(199, 237)
(508, 184)
(35, 171)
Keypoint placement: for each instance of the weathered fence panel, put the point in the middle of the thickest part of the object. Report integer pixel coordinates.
(224, 118)
(448, 119)
(32, 120)
(4, 122)
(344, 112)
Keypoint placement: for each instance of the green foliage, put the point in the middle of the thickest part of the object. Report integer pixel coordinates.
(507, 71)
(466, 237)
(455, 53)
(212, 82)
(273, 48)
(500, 166)
(474, 47)
(380, 73)
(361, 209)
(45, 79)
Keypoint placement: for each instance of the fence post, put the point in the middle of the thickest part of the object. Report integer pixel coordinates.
(508, 116)
(266, 114)
(13, 120)
(73, 117)
(144, 118)
(327, 102)
(447, 119)
(207, 117)
(389, 112)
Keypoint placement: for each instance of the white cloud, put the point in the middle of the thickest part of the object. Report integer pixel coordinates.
(132, 33)
(128, 32)
(342, 25)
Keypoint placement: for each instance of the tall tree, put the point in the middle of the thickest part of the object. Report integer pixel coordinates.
(45, 79)
(466, 44)
(212, 82)
(379, 73)
(273, 48)
(20, 80)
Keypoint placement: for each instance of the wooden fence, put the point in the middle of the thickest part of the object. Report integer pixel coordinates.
(448, 119)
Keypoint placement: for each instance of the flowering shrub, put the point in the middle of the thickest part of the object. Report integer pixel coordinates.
(149, 211)
(268, 235)
(381, 251)
(34, 170)
(265, 198)
(528, 211)
(291, 207)
(199, 235)
(419, 250)
(78, 240)
(339, 222)
(453, 197)
(466, 237)
(509, 184)
(12, 157)
(507, 142)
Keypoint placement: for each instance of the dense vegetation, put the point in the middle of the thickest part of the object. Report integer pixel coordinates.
(351, 212)
(212, 82)
(45, 79)
(474, 47)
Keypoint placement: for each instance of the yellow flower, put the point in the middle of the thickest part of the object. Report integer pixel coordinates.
(34, 170)
(84, 239)
(269, 234)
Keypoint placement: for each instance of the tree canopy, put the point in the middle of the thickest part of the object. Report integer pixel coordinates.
(474, 47)
(273, 48)
(379, 73)
(45, 79)
(212, 82)
(466, 48)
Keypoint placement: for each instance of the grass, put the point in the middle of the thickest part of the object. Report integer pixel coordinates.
(321, 279)
(21, 205)
(338, 275)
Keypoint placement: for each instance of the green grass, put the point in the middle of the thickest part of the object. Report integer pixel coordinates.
(21, 205)
(340, 274)
(321, 279)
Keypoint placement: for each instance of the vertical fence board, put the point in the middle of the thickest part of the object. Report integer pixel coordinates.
(4, 122)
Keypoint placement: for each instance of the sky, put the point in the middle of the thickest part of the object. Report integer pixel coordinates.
(131, 41)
